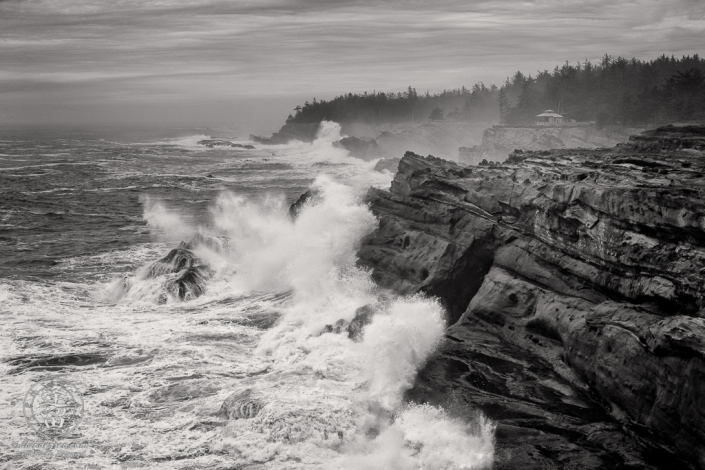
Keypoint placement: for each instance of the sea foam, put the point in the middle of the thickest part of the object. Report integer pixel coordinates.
(326, 401)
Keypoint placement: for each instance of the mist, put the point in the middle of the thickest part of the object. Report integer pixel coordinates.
(241, 115)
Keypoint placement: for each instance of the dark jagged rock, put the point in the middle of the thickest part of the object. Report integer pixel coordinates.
(189, 284)
(363, 149)
(668, 139)
(37, 363)
(184, 274)
(355, 327)
(573, 281)
(363, 317)
(309, 197)
(190, 274)
(389, 164)
(175, 261)
(288, 132)
(212, 143)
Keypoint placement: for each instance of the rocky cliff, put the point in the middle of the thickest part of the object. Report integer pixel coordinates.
(289, 132)
(367, 150)
(371, 141)
(500, 141)
(439, 138)
(574, 282)
(668, 139)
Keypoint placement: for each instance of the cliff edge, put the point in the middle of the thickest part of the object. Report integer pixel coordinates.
(500, 141)
(574, 285)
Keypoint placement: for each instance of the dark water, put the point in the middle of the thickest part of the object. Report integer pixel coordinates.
(81, 217)
(66, 196)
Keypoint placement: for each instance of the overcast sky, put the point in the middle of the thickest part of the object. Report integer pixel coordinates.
(233, 62)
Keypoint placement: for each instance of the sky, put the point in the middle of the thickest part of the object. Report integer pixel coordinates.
(248, 63)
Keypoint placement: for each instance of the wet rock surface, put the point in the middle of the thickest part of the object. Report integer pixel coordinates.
(40, 363)
(668, 138)
(309, 197)
(359, 148)
(184, 275)
(288, 132)
(573, 284)
(355, 327)
(187, 274)
(212, 143)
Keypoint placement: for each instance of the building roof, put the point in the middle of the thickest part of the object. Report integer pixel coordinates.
(549, 113)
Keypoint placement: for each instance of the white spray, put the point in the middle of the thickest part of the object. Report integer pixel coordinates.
(324, 392)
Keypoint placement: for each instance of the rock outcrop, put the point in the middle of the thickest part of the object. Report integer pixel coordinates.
(212, 143)
(186, 275)
(574, 285)
(371, 141)
(288, 132)
(668, 139)
(355, 327)
(367, 150)
(309, 197)
(182, 274)
(440, 138)
(500, 141)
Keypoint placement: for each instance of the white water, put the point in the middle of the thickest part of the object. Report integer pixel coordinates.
(328, 402)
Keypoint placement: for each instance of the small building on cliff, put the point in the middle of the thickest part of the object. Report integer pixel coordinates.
(549, 118)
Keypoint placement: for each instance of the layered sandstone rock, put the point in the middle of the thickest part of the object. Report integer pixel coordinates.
(668, 138)
(574, 288)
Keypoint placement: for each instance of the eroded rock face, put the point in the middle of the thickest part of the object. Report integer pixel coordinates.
(288, 132)
(363, 149)
(668, 138)
(309, 197)
(499, 141)
(217, 244)
(212, 143)
(573, 281)
(186, 275)
(354, 328)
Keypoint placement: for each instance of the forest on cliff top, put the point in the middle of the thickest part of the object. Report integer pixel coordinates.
(614, 91)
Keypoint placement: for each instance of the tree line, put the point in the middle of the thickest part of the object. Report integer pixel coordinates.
(477, 103)
(613, 91)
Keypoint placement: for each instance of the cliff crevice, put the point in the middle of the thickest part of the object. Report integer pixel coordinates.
(574, 284)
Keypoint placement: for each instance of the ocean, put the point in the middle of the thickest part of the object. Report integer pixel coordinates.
(82, 218)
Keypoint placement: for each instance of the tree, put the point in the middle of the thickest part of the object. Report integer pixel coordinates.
(503, 105)
(436, 114)
(685, 92)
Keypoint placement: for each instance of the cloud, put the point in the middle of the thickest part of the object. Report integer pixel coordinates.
(215, 49)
